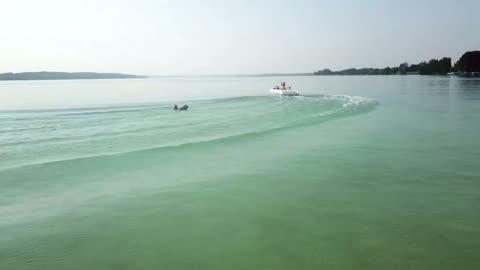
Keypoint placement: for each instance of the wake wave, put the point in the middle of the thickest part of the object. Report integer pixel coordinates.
(50, 136)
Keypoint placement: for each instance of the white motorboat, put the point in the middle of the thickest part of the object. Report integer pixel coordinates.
(283, 90)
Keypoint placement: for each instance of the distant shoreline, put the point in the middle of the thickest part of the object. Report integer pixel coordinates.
(467, 66)
(229, 75)
(46, 75)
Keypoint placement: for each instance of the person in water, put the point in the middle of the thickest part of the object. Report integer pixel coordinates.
(183, 108)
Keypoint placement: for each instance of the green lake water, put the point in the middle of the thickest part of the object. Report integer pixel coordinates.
(361, 172)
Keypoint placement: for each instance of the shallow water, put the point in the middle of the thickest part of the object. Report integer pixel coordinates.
(359, 173)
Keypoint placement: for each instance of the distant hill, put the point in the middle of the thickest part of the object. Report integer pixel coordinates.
(277, 74)
(45, 75)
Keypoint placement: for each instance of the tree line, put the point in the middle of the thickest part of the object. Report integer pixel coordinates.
(469, 62)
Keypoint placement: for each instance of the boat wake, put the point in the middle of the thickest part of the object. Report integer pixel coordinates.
(36, 137)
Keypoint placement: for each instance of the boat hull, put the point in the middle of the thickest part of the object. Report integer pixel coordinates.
(284, 93)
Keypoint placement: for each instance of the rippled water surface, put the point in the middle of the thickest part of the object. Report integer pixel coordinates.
(360, 172)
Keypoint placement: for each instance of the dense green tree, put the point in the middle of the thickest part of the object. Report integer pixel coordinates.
(412, 68)
(402, 69)
(444, 65)
(469, 62)
(435, 67)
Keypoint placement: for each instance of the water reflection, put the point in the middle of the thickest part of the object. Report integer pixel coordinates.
(435, 85)
(467, 88)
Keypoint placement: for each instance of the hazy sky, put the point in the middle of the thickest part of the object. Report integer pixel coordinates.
(157, 37)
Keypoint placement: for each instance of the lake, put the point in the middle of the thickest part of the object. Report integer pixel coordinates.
(360, 172)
